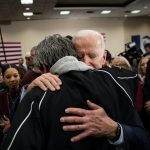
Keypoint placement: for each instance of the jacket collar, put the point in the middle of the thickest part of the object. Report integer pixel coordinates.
(68, 63)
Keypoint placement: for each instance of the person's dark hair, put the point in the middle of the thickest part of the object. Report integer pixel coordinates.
(147, 45)
(146, 54)
(108, 56)
(53, 48)
(6, 66)
(69, 37)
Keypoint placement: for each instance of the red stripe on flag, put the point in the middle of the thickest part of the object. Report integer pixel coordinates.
(11, 51)
(12, 55)
(11, 43)
(10, 47)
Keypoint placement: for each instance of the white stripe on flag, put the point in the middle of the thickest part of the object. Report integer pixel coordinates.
(10, 57)
(12, 53)
(10, 62)
(10, 45)
(10, 49)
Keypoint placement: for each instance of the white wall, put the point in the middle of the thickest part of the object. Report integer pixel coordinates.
(29, 33)
(136, 26)
(118, 31)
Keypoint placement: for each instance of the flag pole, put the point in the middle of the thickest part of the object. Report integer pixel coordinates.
(3, 45)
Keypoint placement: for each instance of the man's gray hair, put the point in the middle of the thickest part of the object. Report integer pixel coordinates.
(53, 48)
(84, 33)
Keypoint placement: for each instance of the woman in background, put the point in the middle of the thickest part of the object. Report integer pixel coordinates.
(140, 100)
(9, 97)
(141, 74)
(121, 62)
(146, 95)
(142, 68)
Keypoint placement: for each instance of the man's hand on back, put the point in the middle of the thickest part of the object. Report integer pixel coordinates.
(93, 122)
(46, 81)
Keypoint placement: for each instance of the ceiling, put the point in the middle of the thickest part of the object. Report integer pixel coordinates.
(12, 10)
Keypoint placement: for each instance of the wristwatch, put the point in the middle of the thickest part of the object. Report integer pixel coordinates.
(118, 132)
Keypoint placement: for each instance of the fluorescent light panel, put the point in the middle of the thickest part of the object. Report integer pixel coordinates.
(28, 13)
(66, 12)
(105, 11)
(26, 1)
(135, 11)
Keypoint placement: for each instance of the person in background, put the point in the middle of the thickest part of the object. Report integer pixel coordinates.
(141, 98)
(146, 95)
(108, 59)
(21, 67)
(1, 76)
(122, 62)
(142, 66)
(28, 60)
(31, 128)
(147, 49)
(33, 72)
(88, 51)
(9, 97)
(30, 75)
(2, 85)
(20, 62)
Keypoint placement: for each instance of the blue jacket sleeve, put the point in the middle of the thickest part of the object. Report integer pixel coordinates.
(136, 137)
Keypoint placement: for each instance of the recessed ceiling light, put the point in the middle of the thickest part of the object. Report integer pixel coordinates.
(26, 1)
(28, 18)
(145, 7)
(105, 11)
(28, 13)
(125, 15)
(27, 8)
(135, 11)
(65, 12)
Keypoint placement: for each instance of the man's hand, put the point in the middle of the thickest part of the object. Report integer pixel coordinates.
(91, 122)
(147, 106)
(46, 81)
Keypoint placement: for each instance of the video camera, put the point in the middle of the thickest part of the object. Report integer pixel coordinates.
(132, 53)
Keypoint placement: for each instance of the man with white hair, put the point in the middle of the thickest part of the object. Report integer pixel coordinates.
(36, 123)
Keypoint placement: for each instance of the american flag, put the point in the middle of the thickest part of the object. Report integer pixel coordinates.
(11, 52)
